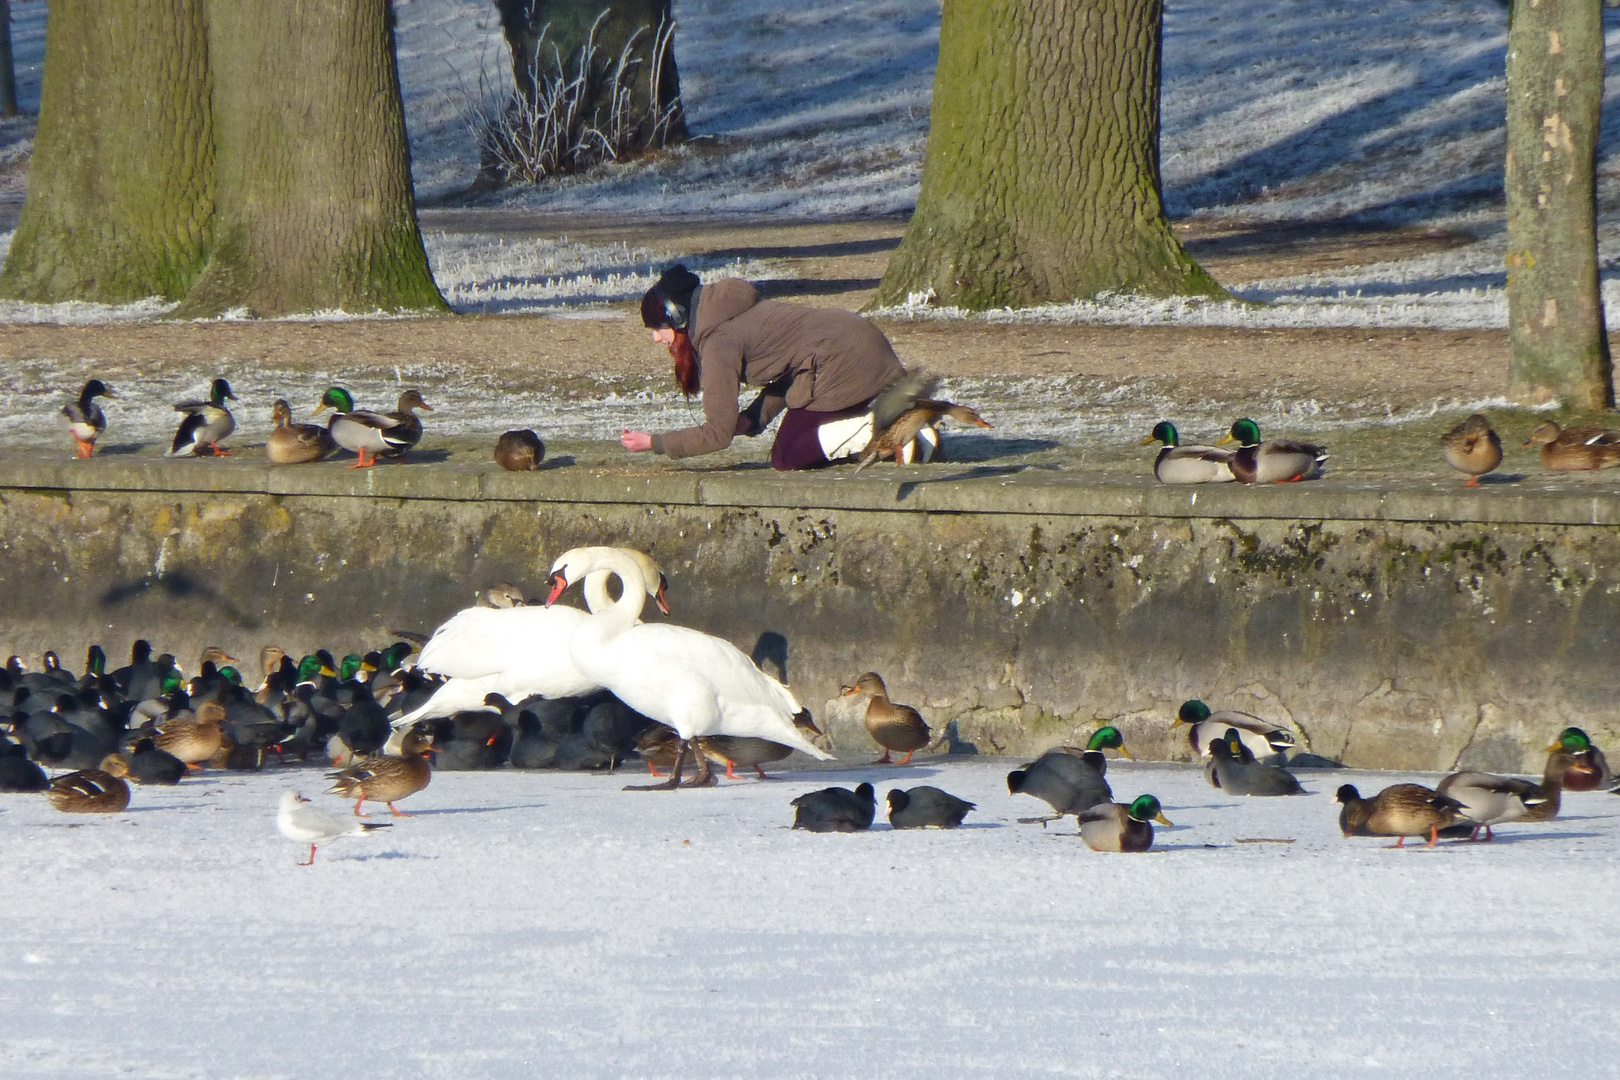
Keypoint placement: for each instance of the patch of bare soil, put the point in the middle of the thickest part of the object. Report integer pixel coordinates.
(839, 264)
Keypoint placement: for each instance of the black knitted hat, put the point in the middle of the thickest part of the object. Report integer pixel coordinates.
(669, 302)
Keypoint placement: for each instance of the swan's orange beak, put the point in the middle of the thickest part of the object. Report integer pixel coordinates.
(559, 583)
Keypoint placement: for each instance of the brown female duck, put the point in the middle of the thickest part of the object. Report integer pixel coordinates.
(902, 412)
(1400, 810)
(1576, 449)
(897, 728)
(520, 451)
(88, 791)
(384, 778)
(409, 428)
(295, 444)
(1472, 448)
(193, 737)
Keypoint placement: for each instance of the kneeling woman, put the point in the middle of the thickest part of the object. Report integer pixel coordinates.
(823, 366)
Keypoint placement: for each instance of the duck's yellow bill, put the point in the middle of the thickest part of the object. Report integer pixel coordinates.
(1161, 819)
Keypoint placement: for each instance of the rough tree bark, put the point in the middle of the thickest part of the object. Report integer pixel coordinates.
(1041, 178)
(315, 205)
(120, 190)
(1559, 348)
(566, 24)
(228, 154)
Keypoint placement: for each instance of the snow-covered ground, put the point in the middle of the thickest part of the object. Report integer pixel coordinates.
(529, 925)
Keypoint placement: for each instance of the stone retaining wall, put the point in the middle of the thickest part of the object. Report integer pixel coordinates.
(1413, 628)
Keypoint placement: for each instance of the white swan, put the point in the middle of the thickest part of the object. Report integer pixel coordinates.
(694, 682)
(519, 651)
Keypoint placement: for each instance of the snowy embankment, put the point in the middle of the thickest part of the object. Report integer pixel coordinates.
(523, 925)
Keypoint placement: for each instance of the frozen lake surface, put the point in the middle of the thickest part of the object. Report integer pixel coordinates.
(545, 924)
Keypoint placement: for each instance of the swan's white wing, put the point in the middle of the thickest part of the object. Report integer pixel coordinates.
(478, 642)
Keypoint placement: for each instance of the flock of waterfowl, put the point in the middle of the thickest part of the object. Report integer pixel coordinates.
(553, 686)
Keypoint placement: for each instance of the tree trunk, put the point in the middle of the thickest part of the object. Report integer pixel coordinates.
(315, 205)
(545, 35)
(8, 66)
(1559, 346)
(120, 189)
(1041, 178)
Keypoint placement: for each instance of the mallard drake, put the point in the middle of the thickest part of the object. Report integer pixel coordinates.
(410, 425)
(386, 778)
(897, 728)
(1488, 800)
(305, 824)
(520, 450)
(1067, 778)
(835, 809)
(365, 433)
(193, 737)
(925, 807)
(1177, 464)
(83, 418)
(88, 791)
(1576, 449)
(206, 423)
(904, 417)
(1587, 770)
(295, 444)
(1277, 461)
(1234, 775)
(1117, 827)
(1205, 728)
(1400, 810)
(1472, 448)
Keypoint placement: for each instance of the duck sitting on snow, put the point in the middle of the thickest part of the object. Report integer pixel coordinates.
(206, 423)
(83, 418)
(367, 434)
(1117, 827)
(88, 791)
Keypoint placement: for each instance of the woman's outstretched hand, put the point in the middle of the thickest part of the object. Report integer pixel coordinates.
(635, 440)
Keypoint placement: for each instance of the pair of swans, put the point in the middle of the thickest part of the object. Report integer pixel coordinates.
(520, 651)
(693, 682)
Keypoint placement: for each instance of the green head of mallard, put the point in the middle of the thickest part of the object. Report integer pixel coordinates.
(219, 392)
(172, 681)
(395, 655)
(351, 667)
(230, 674)
(1245, 432)
(1108, 737)
(1572, 739)
(95, 661)
(1191, 712)
(311, 668)
(1164, 431)
(1146, 808)
(337, 399)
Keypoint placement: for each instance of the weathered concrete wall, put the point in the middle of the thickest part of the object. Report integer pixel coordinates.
(1026, 610)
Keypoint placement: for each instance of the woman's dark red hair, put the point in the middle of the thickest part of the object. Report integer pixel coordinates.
(686, 363)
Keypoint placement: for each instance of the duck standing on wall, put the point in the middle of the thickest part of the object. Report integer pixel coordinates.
(905, 422)
(897, 728)
(410, 425)
(83, 418)
(1117, 827)
(1276, 461)
(206, 423)
(295, 444)
(1576, 449)
(1472, 448)
(364, 433)
(1177, 464)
